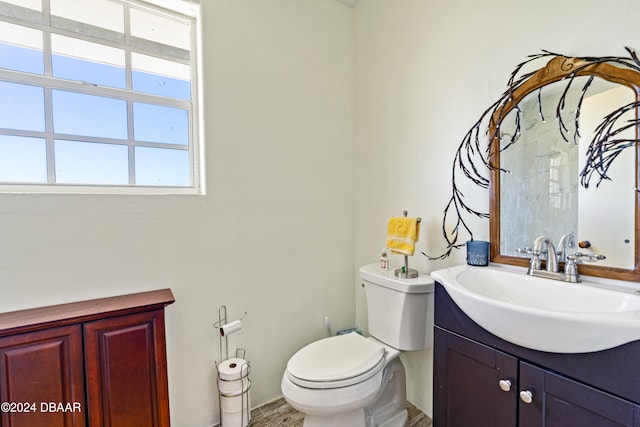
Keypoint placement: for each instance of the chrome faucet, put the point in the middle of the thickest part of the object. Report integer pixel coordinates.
(567, 241)
(554, 258)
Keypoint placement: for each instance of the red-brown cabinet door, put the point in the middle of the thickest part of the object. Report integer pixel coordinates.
(42, 379)
(126, 368)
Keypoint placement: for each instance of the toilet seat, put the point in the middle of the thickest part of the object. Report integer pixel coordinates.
(335, 362)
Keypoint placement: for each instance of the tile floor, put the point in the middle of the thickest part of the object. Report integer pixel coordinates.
(279, 414)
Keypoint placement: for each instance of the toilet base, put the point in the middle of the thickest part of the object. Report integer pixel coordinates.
(399, 420)
(388, 407)
(353, 418)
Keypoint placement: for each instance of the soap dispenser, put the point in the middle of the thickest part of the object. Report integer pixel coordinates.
(384, 261)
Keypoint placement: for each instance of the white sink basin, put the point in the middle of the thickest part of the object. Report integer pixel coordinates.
(544, 314)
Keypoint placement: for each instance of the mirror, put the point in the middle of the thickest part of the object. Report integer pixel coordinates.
(544, 178)
(541, 137)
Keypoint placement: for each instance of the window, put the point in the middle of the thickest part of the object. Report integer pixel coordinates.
(98, 95)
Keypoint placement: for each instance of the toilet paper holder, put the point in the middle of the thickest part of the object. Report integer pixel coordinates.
(229, 394)
(233, 391)
(226, 328)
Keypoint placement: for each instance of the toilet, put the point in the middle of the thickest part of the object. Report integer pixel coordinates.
(350, 380)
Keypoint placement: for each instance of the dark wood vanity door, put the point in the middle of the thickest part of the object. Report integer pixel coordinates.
(558, 402)
(467, 388)
(42, 378)
(126, 371)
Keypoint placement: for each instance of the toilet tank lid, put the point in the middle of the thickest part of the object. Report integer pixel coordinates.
(336, 358)
(419, 285)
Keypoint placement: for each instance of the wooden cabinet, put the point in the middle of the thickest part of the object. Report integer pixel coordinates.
(483, 381)
(468, 377)
(41, 367)
(92, 363)
(560, 401)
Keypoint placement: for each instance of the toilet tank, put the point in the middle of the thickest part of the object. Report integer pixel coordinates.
(399, 310)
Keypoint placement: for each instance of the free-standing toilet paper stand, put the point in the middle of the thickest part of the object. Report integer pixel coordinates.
(234, 383)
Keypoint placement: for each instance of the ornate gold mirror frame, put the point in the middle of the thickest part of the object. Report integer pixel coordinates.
(559, 68)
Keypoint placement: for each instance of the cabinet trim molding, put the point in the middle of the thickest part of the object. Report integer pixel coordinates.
(76, 312)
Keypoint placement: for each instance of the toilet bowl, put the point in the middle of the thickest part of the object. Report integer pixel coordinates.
(350, 380)
(350, 373)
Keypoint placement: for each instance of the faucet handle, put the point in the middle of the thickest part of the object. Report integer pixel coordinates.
(571, 269)
(530, 251)
(525, 250)
(535, 263)
(579, 256)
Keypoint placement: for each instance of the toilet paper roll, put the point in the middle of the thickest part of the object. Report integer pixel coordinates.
(233, 369)
(235, 404)
(231, 327)
(236, 418)
(234, 387)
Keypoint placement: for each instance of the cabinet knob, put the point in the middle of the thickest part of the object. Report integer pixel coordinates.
(505, 385)
(526, 396)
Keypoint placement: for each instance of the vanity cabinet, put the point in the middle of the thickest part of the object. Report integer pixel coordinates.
(559, 401)
(483, 381)
(92, 363)
(468, 377)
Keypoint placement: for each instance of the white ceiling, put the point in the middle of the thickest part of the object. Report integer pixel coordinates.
(349, 3)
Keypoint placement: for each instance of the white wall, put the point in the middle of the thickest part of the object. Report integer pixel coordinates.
(284, 169)
(425, 71)
(272, 237)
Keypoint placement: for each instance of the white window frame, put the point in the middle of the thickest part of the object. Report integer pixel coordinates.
(176, 9)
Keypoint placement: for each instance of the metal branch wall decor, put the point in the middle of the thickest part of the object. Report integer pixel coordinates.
(477, 156)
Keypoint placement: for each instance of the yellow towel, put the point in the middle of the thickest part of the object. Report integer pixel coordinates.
(402, 233)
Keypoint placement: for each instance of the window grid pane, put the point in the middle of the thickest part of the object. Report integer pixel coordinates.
(155, 123)
(158, 29)
(79, 162)
(25, 109)
(88, 115)
(87, 122)
(156, 167)
(21, 48)
(89, 62)
(95, 13)
(23, 159)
